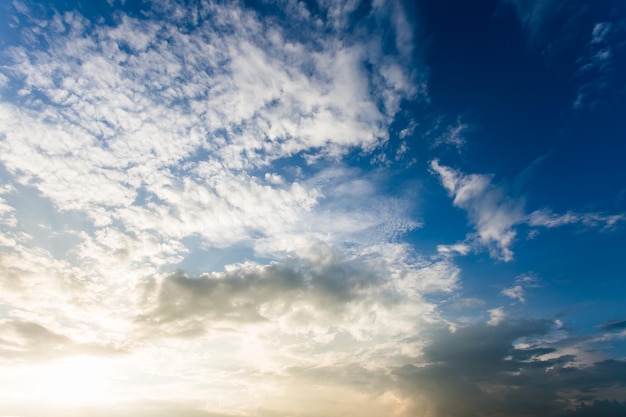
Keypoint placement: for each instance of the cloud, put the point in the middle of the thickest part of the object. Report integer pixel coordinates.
(460, 248)
(323, 291)
(534, 15)
(597, 408)
(597, 65)
(546, 218)
(614, 326)
(492, 213)
(496, 316)
(453, 136)
(24, 340)
(518, 290)
(7, 212)
(483, 369)
(168, 124)
(600, 32)
(151, 139)
(157, 137)
(187, 126)
(409, 130)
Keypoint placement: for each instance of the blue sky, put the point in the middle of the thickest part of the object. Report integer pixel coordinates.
(312, 208)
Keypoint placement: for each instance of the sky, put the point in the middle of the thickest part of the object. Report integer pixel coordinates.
(315, 208)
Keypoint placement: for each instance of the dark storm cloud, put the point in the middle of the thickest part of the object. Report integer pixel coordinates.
(479, 371)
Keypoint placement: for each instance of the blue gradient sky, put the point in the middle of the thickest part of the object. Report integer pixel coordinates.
(313, 208)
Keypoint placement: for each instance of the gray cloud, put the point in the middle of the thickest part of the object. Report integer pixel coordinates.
(478, 370)
(326, 289)
(487, 374)
(603, 408)
(615, 325)
(25, 340)
(238, 295)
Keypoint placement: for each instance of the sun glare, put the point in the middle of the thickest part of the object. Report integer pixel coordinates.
(75, 380)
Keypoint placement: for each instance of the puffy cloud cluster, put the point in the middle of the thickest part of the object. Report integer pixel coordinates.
(159, 127)
(323, 294)
(144, 133)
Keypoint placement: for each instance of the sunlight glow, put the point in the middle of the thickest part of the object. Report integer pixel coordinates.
(76, 380)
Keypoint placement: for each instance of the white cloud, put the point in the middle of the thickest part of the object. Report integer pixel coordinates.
(453, 135)
(460, 248)
(546, 218)
(490, 210)
(7, 212)
(516, 292)
(600, 32)
(596, 66)
(496, 316)
(495, 215)
(409, 130)
(156, 134)
(124, 111)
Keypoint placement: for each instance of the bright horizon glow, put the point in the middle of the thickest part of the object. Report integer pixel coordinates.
(80, 380)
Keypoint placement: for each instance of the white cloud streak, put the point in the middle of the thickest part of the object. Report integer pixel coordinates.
(596, 65)
(492, 213)
(548, 219)
(495, 215)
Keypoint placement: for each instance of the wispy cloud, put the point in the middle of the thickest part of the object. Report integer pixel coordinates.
(490, 210)
(453, 136)
(546, 218)
(533, 16)
(494, 214)
(518, 290)
(595, 66)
